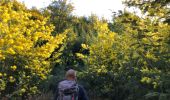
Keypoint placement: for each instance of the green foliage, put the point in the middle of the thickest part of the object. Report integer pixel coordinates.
(136, 59)
(60, 15)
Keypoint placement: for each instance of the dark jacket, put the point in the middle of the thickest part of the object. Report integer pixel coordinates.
(81, 94)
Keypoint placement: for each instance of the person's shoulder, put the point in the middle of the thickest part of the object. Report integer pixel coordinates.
(81, 88)
(61, 80)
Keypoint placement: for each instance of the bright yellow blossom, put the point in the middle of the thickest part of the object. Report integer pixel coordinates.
(11, 79)
(14, 67)
(1, 74)
(20, 44)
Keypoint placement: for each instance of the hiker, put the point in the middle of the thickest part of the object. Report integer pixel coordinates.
(68, 89)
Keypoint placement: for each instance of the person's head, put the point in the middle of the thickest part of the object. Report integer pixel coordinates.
(71, 74)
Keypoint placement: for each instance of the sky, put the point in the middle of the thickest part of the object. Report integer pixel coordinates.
(102, 8)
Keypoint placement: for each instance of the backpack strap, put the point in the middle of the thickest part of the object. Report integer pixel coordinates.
(60, 96)
(77, 92)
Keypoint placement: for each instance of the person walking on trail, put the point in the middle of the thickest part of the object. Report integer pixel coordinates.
(68, 89)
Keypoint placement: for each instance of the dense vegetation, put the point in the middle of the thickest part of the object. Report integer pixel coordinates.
(127, 58)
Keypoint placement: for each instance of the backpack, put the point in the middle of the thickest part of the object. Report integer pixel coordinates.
(68, 90)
